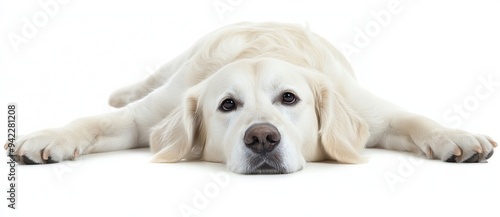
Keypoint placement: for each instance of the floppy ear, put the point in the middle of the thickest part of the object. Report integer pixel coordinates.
(180, 136)
(342, 132)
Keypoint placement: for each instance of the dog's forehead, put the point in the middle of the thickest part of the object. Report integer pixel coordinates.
(263, 74)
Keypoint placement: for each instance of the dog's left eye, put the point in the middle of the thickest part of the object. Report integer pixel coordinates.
(227, 105)
(289, 98)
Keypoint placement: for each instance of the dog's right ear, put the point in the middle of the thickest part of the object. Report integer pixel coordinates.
(180, 136)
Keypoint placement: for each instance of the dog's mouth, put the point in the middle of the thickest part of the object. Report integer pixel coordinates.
(267, 166)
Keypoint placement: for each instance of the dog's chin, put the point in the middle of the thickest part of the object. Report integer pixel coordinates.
(266, 168)
(266, 165)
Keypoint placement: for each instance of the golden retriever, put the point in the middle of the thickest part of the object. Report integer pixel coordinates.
(259, 97)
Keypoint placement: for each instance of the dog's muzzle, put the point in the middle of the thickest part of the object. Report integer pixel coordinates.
(262, 140)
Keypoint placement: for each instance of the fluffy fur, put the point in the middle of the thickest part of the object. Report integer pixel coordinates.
(177, 111)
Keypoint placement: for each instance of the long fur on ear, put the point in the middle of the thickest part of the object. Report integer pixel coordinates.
(180, 136)
(342, 132)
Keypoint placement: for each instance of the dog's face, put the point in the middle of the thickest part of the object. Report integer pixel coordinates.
(259, 116)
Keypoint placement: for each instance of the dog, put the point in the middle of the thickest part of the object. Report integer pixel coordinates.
(262, 98)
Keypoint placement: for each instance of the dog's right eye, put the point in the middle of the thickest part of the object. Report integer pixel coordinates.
(227, 105)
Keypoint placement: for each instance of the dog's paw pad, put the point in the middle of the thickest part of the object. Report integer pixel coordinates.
(27, 160)
(452, 159)
(473, 159)
(50, 161)
(489, 155)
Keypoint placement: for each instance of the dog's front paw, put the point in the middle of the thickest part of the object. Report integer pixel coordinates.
(459, 146)
(45, 146)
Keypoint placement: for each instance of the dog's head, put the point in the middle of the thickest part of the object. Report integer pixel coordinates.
(261, 116)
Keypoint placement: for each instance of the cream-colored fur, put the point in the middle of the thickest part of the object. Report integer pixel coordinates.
(177, 111)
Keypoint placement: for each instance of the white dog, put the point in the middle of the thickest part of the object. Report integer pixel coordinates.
(261, 98)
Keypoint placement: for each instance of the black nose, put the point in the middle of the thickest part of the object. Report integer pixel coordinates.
(262, 138)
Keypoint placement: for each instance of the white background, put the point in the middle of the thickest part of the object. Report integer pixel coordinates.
(429, 58)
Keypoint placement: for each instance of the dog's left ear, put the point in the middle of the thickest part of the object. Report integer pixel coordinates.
(180, 136)
(342, 132)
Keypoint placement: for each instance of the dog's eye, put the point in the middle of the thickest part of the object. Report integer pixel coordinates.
(289, 98)
(227, 105)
